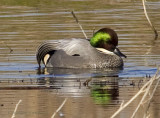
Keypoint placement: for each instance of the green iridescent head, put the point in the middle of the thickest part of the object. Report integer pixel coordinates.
(105, 38)
(100, 37)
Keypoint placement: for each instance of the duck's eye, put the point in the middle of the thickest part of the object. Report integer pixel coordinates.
(76, 55)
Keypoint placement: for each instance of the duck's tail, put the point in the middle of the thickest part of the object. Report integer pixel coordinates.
(45, 49)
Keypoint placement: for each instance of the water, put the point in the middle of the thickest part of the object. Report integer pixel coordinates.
(25, 24)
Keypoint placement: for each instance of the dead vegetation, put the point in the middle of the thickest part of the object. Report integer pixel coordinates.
(147, 91)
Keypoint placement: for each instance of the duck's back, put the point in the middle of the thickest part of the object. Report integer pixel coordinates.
(75, 53)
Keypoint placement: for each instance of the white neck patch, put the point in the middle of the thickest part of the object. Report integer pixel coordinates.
(102, 50)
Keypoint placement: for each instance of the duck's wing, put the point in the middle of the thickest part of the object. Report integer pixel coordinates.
(76, 46)
(69, 46)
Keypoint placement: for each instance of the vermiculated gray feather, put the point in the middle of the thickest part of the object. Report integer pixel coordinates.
(76, 53)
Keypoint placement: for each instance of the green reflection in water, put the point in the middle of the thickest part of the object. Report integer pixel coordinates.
(100, 95)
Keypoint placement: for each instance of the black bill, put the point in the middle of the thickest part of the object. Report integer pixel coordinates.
(119, 53)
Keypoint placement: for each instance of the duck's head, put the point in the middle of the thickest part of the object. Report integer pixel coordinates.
(106, 39)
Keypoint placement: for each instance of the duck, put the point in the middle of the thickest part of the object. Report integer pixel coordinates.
(100, 51)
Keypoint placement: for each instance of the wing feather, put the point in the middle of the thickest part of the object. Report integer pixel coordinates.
(70, 46)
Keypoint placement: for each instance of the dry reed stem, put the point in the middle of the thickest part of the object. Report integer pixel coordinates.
(151, 96)
(148, 116)
(145, 94)
(130, 101)
(14, 113)
(74, 16)
(60, 107)
(7, 46)
(143, 89)
(143, 98)
(145, 12)
(94, 30)
(122, 103)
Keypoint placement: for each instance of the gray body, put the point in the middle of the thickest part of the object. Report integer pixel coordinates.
(76, 53)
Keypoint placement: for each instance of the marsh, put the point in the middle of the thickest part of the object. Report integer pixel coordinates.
(91, 93)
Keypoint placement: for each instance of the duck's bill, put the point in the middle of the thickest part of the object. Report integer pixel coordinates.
(119, 53)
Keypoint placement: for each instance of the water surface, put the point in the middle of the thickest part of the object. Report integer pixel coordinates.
(25, 24)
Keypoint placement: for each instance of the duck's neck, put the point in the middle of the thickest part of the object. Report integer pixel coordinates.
(105, 51)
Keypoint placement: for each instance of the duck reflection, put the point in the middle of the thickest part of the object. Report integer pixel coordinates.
(105, 90)
(77, 72)
(101, 85)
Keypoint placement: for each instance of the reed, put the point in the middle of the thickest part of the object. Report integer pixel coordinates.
(151, 96)
(146, 90)
(74, 16)
(145, 94)
(145, 12)
(59, 108)
(11, 50)
(14, 113)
